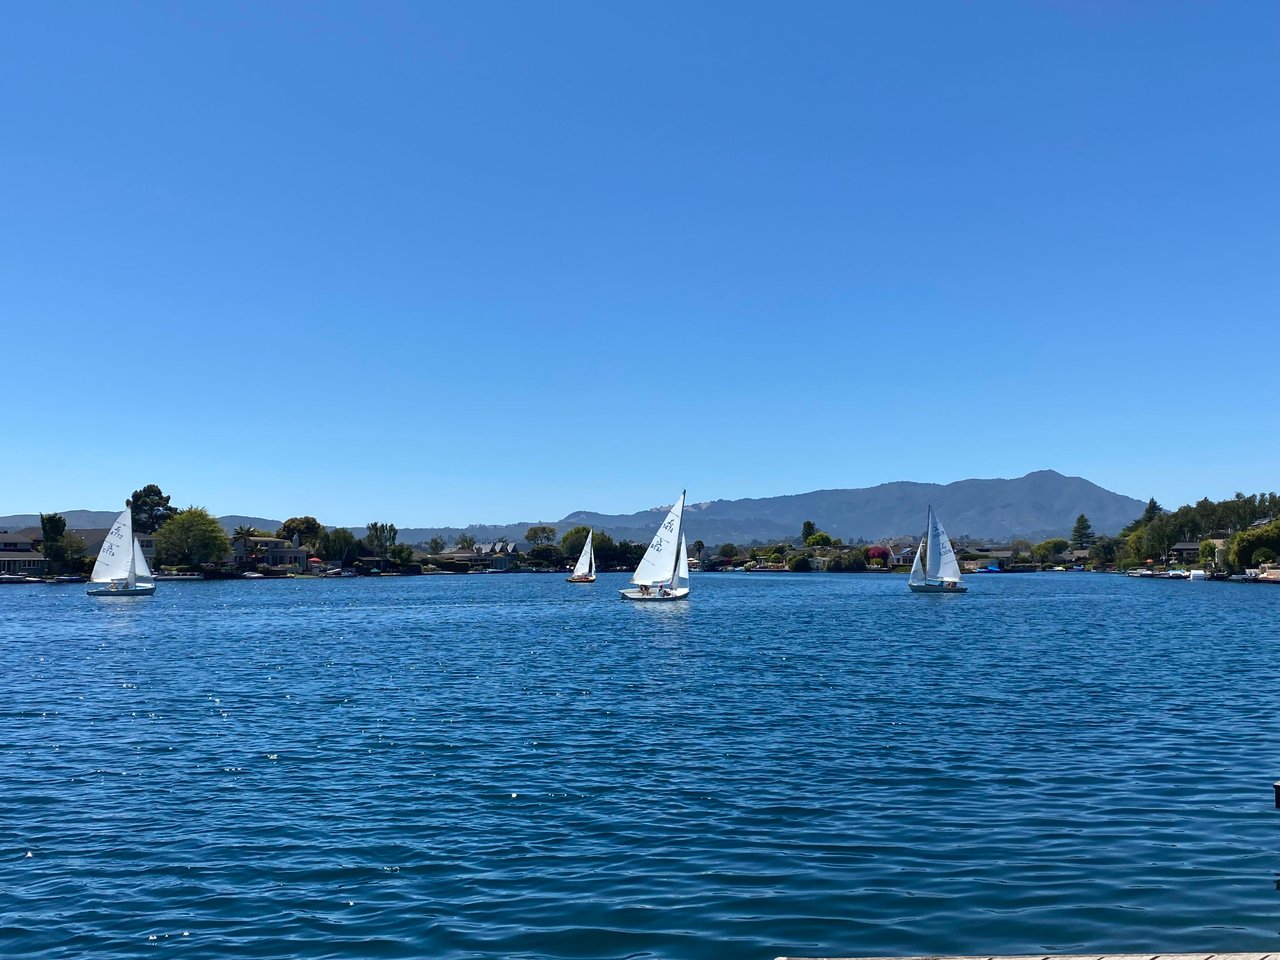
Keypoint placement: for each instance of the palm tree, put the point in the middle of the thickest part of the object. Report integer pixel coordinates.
(245, 536)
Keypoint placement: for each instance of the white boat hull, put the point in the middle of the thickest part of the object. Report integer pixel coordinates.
(948, 587)
(111, 590)
(588, 579)
(680, 593)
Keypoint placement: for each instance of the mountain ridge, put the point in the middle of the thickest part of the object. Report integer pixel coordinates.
(1041, 504)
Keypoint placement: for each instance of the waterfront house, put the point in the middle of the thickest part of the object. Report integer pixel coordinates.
(992, 560)
(500, 548)
(902, 550)
(1184, 551)
(272, 551)
(19, 557)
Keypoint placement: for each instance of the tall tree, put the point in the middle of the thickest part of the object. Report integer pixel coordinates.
(1047, 550)
(150, 508)
(1082, 535)
(191, 537)
(436, 544)
(337, 546)
(307, 529)
(465, 541)
(808, 529)
(546, 555)
(380, 537)
(52, 527)
(64, 551)
(244, 536)
(1104, 551)
(540, 534)
(698, 546)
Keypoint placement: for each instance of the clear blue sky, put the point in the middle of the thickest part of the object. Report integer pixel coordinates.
(440, 263)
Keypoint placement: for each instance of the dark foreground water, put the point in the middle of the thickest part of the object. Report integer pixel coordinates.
(511, 766)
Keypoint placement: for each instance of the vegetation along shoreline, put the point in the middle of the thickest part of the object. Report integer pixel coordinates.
(1235, 539)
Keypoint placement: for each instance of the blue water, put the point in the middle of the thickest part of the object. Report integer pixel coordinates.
(511, 766)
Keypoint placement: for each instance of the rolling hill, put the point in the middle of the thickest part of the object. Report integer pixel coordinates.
(1039, 505)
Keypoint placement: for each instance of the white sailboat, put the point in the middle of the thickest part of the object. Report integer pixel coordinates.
(663, 573)
(940, 573)
(584, 571)
(121, 570)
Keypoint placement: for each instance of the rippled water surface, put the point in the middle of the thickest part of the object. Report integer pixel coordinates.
(511, 766)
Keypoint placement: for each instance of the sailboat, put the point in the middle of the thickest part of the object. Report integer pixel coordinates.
(584, 571)
(940, 573)
(121, 569)
(663, 573)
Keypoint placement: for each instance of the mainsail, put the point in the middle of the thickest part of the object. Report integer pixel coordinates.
(586, 565)
(116, 559)
(942, 563)
(933, 557)
(660, 560)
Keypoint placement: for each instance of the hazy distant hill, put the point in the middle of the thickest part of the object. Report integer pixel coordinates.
(99, 519)
(1039, 505)
(76, 519)
(268, 527)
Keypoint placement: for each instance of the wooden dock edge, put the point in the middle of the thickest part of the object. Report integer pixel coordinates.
(1072, 956)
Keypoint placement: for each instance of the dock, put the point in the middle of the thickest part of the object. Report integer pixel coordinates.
(1072, 956)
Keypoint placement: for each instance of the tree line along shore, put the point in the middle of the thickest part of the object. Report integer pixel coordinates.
(1227, 536)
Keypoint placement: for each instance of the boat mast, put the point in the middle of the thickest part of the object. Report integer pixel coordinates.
(675, 567)
(133, 565)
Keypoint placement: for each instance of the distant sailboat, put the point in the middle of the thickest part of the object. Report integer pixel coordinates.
(584, 571)
(940, 573)
(121, 570)
(663, 573)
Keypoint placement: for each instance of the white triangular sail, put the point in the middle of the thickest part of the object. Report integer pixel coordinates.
(140, 568)
(659, 562)
(586, 565)
(682, 566)
(116, 559)
(917, 567)
(933, 555)
(942, 564)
